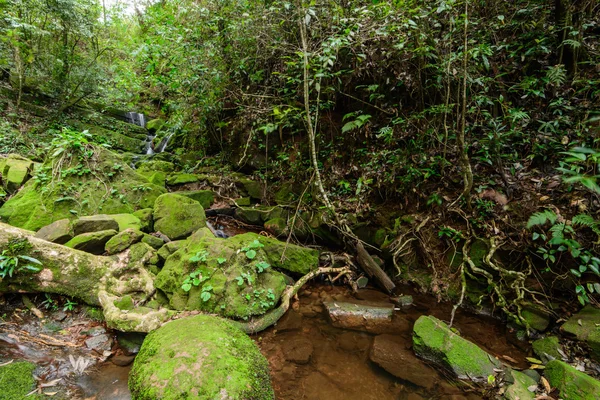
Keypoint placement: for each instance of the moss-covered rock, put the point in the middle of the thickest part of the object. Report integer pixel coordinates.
(123, 241)
(94, 223)
(105, 189)
(277, 226)
(156, 165)
(584, 326)
(253, 188)
(59, 232)
(16, 381)
(169, 248)
(146, 219)
(434, 341)
(127, 139)
(200, 357)
(153, 241)
(15, 171)
(237, 272)
(204, 197)
(178, 216)
(127, 221)
(91, 242)
(181, 179)
(571, 384)
(285, 195)
(546, 348)
(518, 389)
(536, 318)
(155, 125)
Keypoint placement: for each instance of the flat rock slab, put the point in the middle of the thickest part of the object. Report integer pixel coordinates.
(99, 343)
(391, 354)
(91, 242)
(359, 316)
(584, 326)
(57, 232)
(94, 223)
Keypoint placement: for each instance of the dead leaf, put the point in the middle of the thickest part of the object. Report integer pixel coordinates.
(579, 322)
(6, 363)
(546, 385)
(532, 388)
(509, 358)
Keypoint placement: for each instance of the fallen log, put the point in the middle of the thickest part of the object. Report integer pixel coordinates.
(372, 269)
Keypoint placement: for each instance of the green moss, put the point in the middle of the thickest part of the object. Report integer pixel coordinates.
(145, 217)
(584, 326)
(518, 390)
(199, 357)
(181, 179)
(124, 303)
(285, 195)
(123, 241)
(243, 202)
(434, 341)
(155, 166)
(178, 216)
(536, 318)
(571, 383)
(91, 242)
(547, 347)
(127, 221)
(153, 241)
(204, 197)
(277, 226)
(16, 381)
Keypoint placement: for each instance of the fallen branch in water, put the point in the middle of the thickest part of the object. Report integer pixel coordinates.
(274, 315)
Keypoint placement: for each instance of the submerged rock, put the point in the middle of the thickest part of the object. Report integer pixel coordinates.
(571, 384)
(297, 349)
(200, 357)
(584, 326)
(390, 353)
(359, 316)
(434, 341)
(178, 216)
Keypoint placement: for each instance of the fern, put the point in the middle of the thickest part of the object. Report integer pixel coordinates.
(587, 221)
(540, 218)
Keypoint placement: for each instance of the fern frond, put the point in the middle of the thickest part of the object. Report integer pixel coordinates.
(558, 231)
(540, 218)
(588, 221)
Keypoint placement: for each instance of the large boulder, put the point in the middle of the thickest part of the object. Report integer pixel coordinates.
(200, 357)
(571, 384)
(204, 197)
(105, 185)
(15, 171)
(232, 277)
(434, 341)
(178, 216)
(584, 326)
(127, 221)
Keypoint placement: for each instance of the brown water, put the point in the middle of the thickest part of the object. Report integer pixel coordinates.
(311, 359)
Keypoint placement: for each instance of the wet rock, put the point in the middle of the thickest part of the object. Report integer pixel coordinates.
(536, 318)
(571, 384)
(94, 223)
(92, 242)
(291, 321)
(200, 357)
(122, 360)
(298, 350)
(390, 353)
(518, 389)
(123, 241)
(204, 197)
(130, 342)
(100, 343)
(547, 349)
(359, 316)
(434, 341)
(95, 331)
(57, 232)
(354, 341)
(584, 326)
(403, 301)
(178, 216)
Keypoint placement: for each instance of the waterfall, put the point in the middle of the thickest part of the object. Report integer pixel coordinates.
(136, 119)
(163, 143)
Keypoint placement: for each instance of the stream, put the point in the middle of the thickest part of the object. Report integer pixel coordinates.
(309, 358)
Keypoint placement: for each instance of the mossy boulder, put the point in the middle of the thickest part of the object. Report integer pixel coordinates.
(91, 242)
(103, 189)
(536, 318)
(518, 388)
(200, 357)
(127, 221)
(178, 216)
(285, 195)
(435, 342)
(59, 232)
(156, 165)
(123, 241)
(153, 241)
(547, 348)
(253, 188)
(169, 248)
(16, 381)
(237, 272)
(146, 219)
(571, 384)
(120, 135)
(15, 170)
(204, 197)
(584, 326)
(155, 124)
(277, 226)
(94, 223)
(181, 179)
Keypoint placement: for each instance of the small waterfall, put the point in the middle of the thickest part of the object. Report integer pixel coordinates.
(163, 143)
(136, 119)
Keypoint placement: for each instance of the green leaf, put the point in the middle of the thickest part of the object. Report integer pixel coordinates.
(597, 287)
(221, 260)
(251, 254)
(590, 288)
(205, 296)
(31, 260)
(575, 272)
(186, 287)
